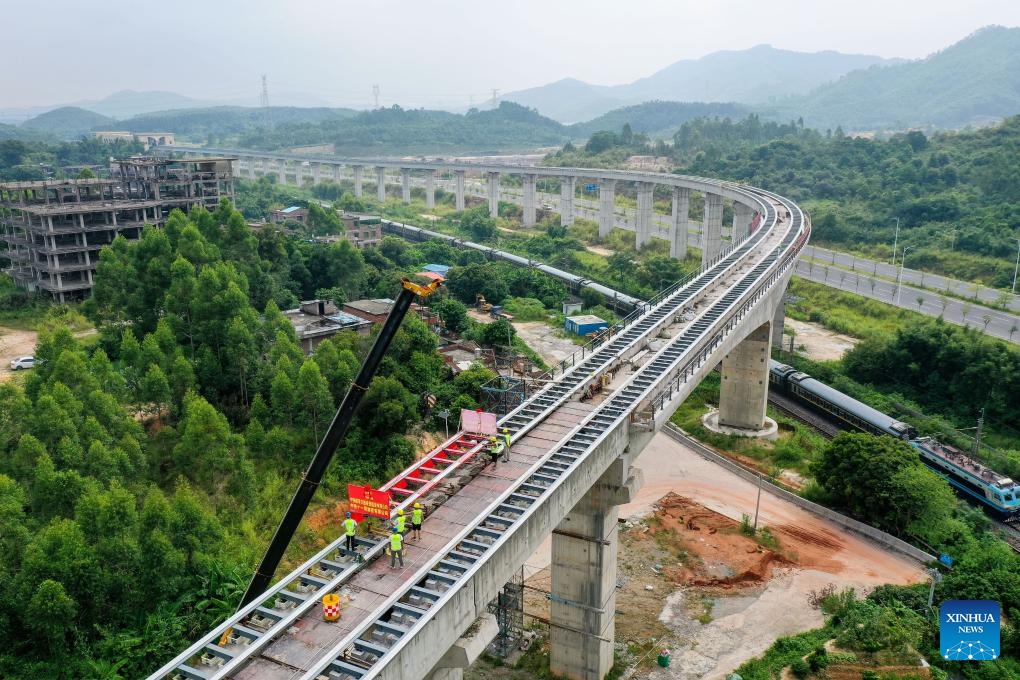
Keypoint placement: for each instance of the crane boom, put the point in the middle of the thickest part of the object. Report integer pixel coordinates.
(331, 441)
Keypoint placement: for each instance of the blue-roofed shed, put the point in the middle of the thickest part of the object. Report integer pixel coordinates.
(584, 324)
(440, 269)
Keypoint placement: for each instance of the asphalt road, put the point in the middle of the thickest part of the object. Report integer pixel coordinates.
(963, 313)
(987, 296)
(843, 271)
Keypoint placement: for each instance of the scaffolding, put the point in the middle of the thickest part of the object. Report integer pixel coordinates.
(508, 608)
(503, 394)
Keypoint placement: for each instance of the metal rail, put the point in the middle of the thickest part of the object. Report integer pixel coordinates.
(242, 636)
(365, 652)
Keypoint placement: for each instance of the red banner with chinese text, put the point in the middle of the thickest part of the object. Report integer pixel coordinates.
(368, 501)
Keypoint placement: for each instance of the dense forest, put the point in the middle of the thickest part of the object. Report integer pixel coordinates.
(143, 469)
(35, 160)
(508, 126)
(954, 195)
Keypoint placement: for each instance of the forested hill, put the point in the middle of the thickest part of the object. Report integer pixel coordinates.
(973, 82)
(419, 130)
(227, 122)
(67, 122)
(657, 118)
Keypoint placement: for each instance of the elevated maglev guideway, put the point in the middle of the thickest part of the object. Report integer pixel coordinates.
(710, 233)
(570, 468)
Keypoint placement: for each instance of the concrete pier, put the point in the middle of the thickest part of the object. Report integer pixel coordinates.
(711, 229)
(458, 184)
(681, 222)
(430, 188)
(607, 205)
(405, 185)
(741, 220)
(744, 390)
(567, 187)
(779, 320)
(645, 192)
(493, 194)
(528, 197)
(583, 591)
(359, 171)
(380, 183)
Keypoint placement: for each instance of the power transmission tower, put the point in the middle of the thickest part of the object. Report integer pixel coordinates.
(375, 93)
(264, 102)
(495, 98)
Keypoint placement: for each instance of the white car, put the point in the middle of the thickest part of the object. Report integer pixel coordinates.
(22, 362)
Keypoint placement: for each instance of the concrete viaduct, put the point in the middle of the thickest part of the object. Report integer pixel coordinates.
(709, 234)
(570, 469)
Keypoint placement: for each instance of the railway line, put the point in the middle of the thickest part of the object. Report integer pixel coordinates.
(244, 640)
(788, 407)
(1009, 533)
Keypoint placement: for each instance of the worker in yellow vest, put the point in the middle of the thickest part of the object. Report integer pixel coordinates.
(506, 444)
(350, 529)
(396, 549)
(417, 515)
(494, 449)
(401, 522)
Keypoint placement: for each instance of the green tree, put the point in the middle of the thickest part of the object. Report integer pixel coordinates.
(313, 393)
(499, 332)
(155, 391)
(478, 224)
(858, 471)
(51, 615)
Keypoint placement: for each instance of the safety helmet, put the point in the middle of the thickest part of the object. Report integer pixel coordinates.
(400, 512)
(492, 439)
(417, 505)
(506, 429)
(348, 515)
(394, 530)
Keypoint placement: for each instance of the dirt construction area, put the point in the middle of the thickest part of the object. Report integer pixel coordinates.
(817, 342)
(13, 344)
(691, 582)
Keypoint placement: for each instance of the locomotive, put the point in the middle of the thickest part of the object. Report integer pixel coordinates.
(996, 492)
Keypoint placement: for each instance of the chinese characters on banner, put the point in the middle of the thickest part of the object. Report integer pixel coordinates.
(365, 500)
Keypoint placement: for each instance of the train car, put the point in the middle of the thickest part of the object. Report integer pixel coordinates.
(995, 491)
(835, 403)
(614, 298)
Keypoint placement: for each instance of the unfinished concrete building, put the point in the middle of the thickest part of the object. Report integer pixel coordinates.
(54, 229)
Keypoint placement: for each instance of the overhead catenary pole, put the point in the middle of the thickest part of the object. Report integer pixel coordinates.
(977, 435)
(899, 278)
(896, 240)
(1016, 267)
(330, 442)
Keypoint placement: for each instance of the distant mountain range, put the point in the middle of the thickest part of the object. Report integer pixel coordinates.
(751, 76)
(128, 103)
(972, 82)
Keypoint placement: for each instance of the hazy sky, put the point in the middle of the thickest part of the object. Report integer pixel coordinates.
(432, 52)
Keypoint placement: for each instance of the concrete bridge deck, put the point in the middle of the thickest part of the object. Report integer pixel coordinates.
(311, 638)
(568, 471)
